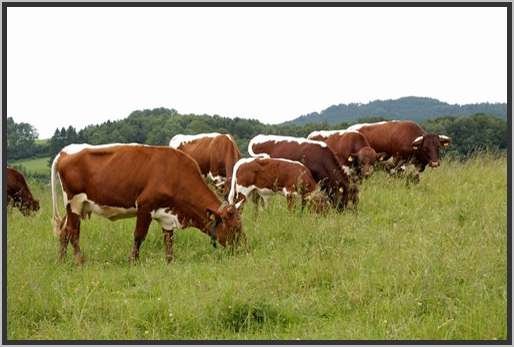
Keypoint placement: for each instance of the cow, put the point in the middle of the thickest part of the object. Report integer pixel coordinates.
(132, 180)
(351, 148)
(326, 169)
(18, 193)
(215, 153)
(405, 141)
(260, 177)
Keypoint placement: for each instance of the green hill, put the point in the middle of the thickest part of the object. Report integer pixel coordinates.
(411, 107)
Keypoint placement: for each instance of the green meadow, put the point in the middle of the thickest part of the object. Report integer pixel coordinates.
(35, 166)
(423, 261)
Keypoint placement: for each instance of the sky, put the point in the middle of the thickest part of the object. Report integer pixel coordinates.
(81, 66)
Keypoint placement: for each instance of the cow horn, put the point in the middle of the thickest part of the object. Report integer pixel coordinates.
(417, 141)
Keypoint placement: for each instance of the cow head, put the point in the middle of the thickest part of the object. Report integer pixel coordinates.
(318, 201)
(225, 225)
(24, 201)
(363, 161)
(427, 147)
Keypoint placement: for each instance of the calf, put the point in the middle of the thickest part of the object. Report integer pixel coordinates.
(148, 182)
(262, 176)
(215, 153)
(18, 193)
(405, 141)
(332, 176)
(351, 148)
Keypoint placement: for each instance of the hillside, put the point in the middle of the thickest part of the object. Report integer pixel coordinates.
(411, 107)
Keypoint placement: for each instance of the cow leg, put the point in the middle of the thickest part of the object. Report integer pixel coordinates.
(290, 201)
(71, 233)
(255, 199)
(168, 244)
(63, 239)
(75, 237)
(143, 221)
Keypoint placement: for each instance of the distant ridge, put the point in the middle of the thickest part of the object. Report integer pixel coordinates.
(410, 107)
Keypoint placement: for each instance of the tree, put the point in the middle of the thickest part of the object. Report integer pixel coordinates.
(20, 139)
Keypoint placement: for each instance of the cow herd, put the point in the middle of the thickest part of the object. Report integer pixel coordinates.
(169, 184)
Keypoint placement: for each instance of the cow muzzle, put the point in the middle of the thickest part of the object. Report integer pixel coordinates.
(434, 164)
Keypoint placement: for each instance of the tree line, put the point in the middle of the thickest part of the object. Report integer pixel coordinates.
(157, 126)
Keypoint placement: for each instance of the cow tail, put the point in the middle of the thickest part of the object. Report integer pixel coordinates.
(250, 150)
(57, 221)
(233, 182)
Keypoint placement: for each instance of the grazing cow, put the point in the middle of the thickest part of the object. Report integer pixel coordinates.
(215, 153)
(332, 176)
(405, 141)
(351, 148)
(262, 176)
(148, 182)
(18, 193)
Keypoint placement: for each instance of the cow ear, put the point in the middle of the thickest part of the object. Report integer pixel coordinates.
(444, 140)
(213, 215)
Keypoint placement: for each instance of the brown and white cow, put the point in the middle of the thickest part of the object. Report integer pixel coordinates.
(405, 141)
(148, 182)
(18, 193)
(351, 148)
(215, 153)
(326, 169)
(260, 177)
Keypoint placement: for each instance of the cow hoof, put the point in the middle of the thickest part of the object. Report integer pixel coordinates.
(79, 259)
(133, 259)
(169, 259)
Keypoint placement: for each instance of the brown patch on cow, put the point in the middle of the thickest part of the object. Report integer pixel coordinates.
(216, 155)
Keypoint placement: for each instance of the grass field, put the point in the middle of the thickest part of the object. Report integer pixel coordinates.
(426, 261)
(37, 165)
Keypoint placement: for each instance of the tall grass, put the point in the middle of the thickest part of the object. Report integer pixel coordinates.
(425, 261)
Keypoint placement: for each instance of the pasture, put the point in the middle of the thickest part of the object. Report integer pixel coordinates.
(34, 166)
(424, 261)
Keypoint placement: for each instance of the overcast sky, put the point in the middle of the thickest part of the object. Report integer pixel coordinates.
(80, 66)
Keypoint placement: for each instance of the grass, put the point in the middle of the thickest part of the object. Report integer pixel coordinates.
(426, 261)
(34, 166)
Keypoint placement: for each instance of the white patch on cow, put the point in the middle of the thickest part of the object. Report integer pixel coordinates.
(179, 139)
(232, 194)
(327, 133)
(218, 180)
(276, 138)
(81, 205)
(264, 193)
(360, 125)
(346, 170)
(167, 220)
(77, 147)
